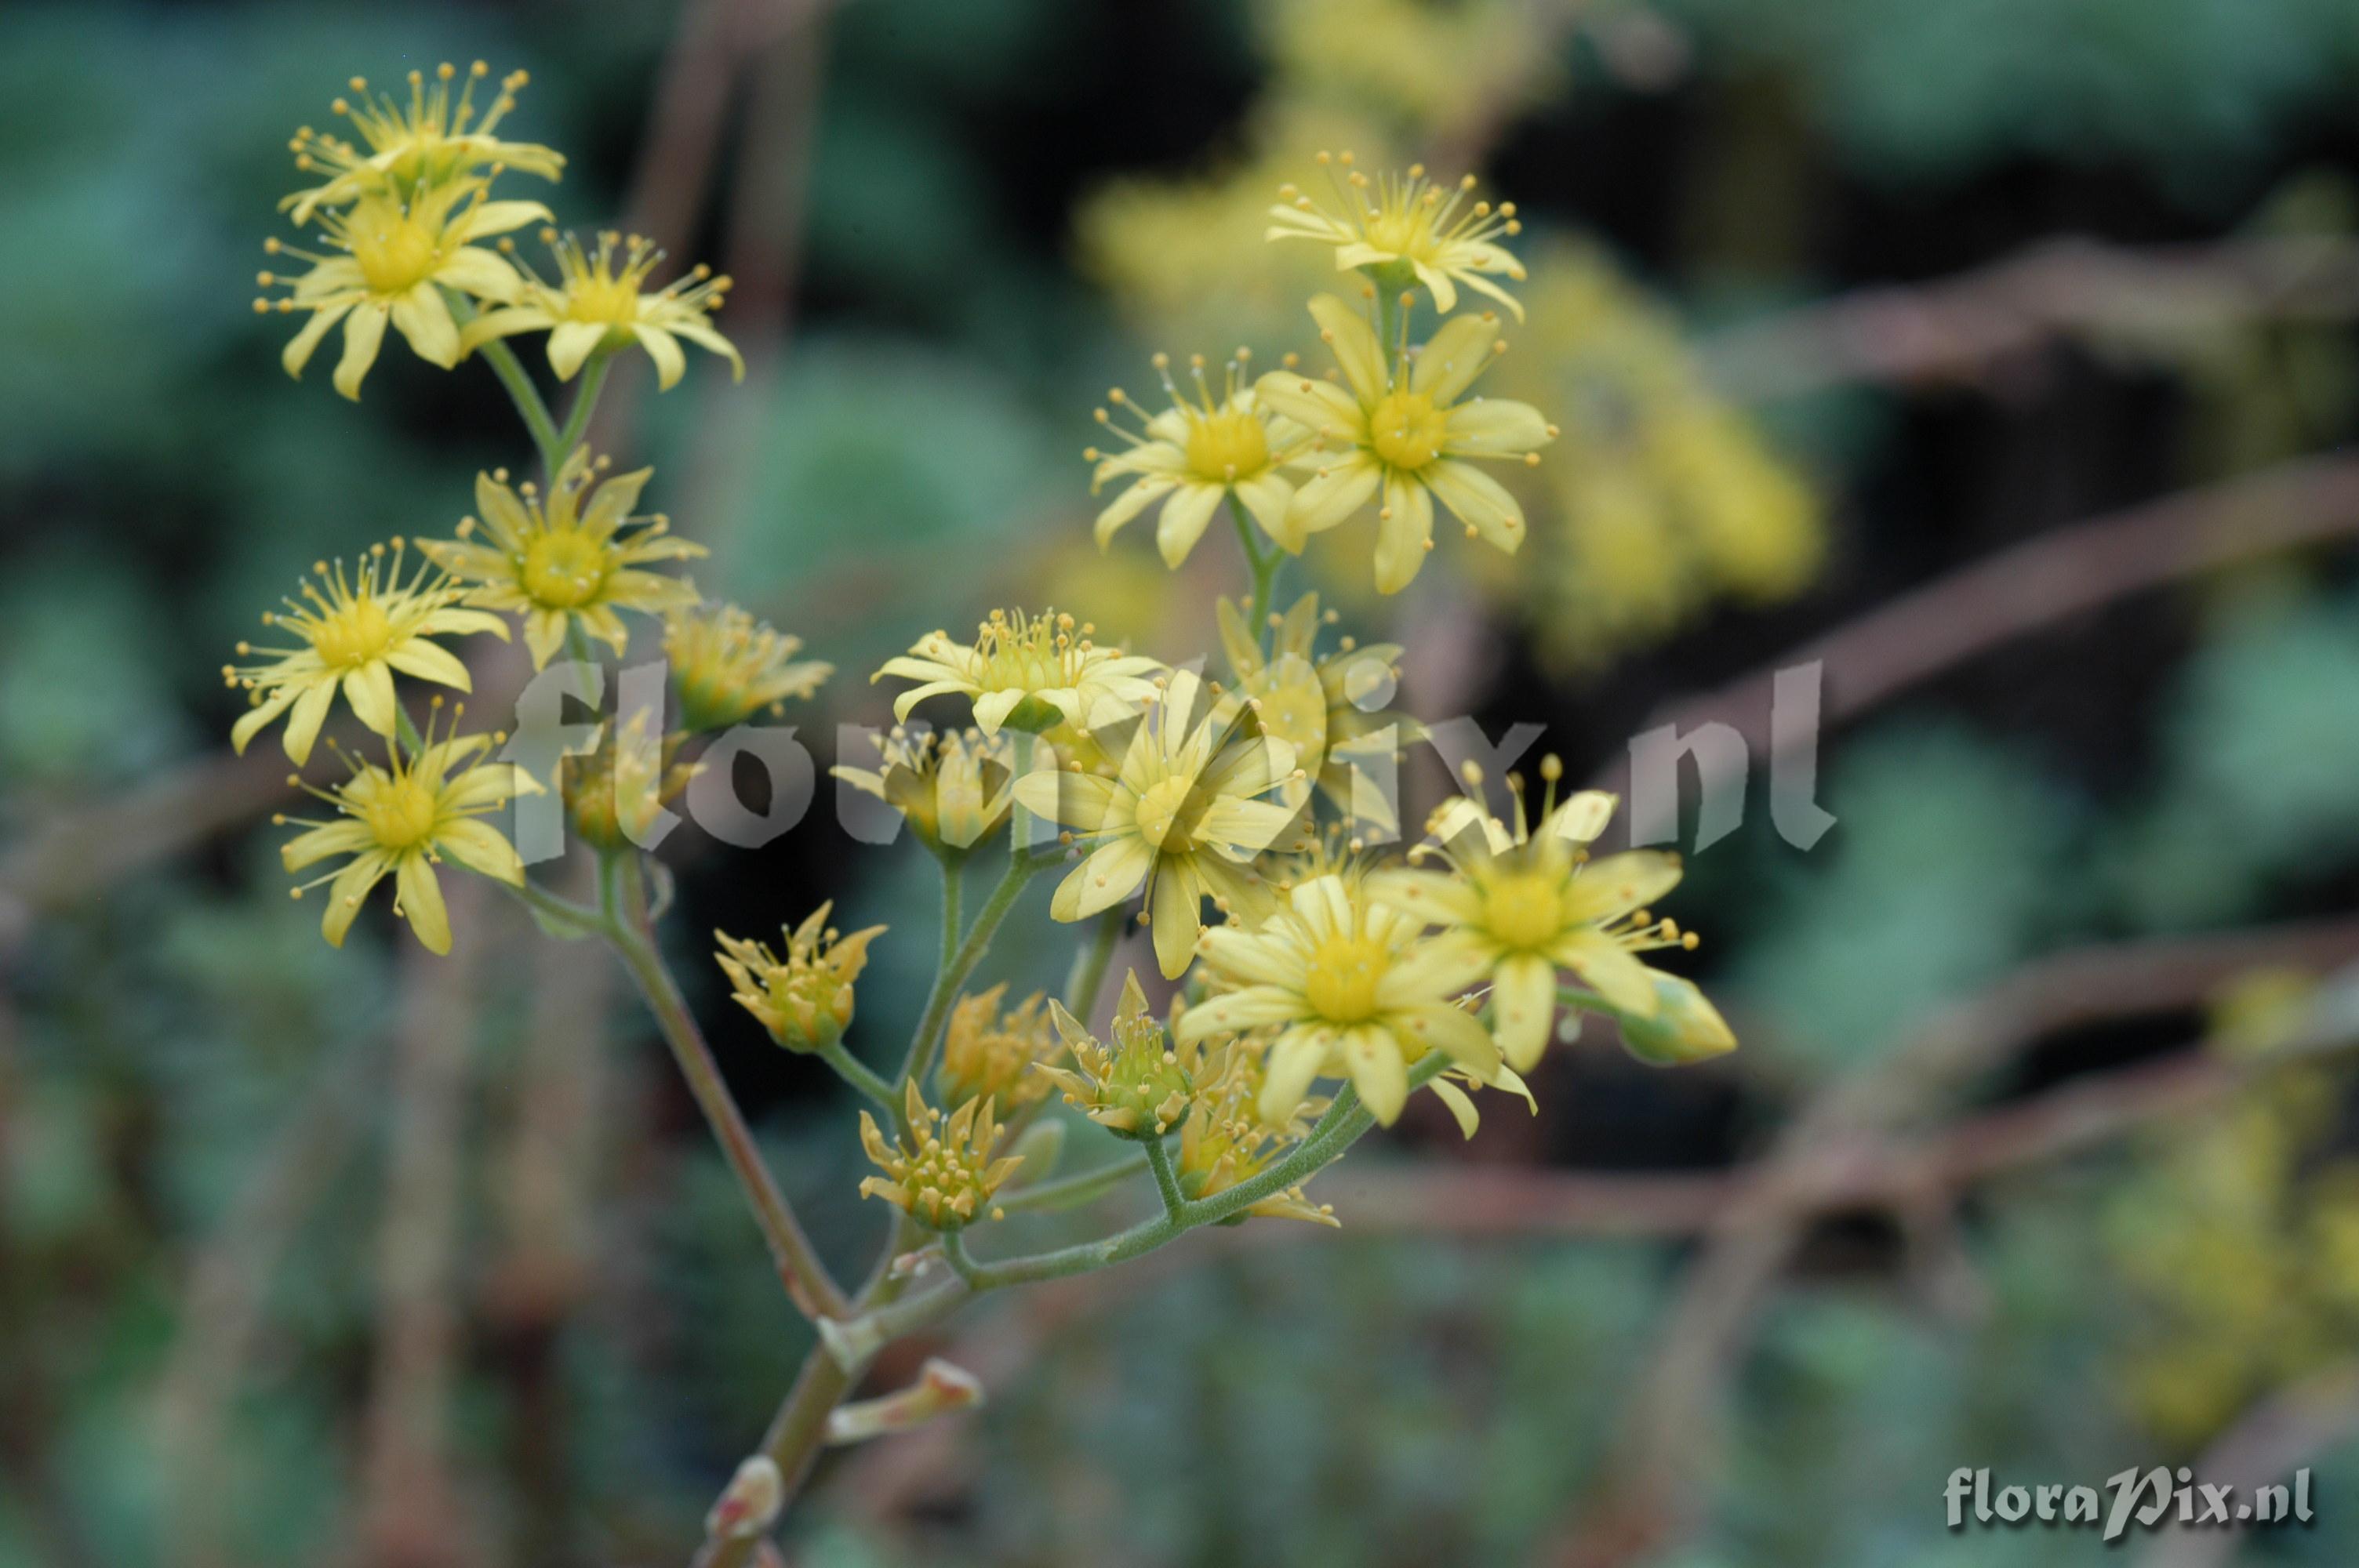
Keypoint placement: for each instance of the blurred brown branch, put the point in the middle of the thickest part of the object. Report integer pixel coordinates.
(1915, 636)
(1963, 329)
(411, 1515)
(79, 851)
(1652, 1494)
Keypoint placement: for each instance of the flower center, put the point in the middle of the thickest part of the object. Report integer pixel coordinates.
(1526, 910)
(564, 568)
(396, 253)
(1407, 430)
(1028, 654)
(1227, 447)
(401, 814)
(612, 300)
(1166, 814)
(1341, 981)
(1401, 230)
(352, 635)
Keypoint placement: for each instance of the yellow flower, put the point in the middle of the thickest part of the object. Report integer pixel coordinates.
(1329, 711)
(728, 666)
(1194, 455)
(1224, 1140)
(399, 253)
(615, 791)
(1403, 429)
(1352, 990)
(942, 1179)
(598, 302)
(356, 631)
(402, 147)
(988, 1051)
(1530, 900)
(1139, 1087)
(1181, 819)
(1405, 224)
(563, 559)
(404, 819)
(953, 787)
(805, 999)
(1026, 672)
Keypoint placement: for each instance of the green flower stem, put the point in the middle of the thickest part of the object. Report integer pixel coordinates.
(1264, 566)
(856, 1073)
(581, 917)
(1346, 1121)
(959, 965)
(1167, 1180)
(1090, 965)
(1068, 1192)
(410, 740)
(585, 401)
(814, 1289)
(528, 400)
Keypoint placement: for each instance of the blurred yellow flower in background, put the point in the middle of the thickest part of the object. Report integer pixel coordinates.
(357, 629)
(429, 140)
(990, 1049)
(728, 666)
(953, 787)
(1405, 223)
(567, 559)
(1662, 497)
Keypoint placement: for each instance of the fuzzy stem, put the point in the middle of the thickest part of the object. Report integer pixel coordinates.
(814, 1289)
(1167, 1180)
(856, 1073)
(958, 964)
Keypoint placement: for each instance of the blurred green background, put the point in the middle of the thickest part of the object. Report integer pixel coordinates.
(313, 1256)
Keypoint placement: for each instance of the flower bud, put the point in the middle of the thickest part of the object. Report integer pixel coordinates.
(804, 998)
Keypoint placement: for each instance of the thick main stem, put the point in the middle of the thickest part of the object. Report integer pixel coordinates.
(814, 1289)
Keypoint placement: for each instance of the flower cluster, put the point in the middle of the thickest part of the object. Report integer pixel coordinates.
(1392, 424)
(405, 232)
(1240, 820)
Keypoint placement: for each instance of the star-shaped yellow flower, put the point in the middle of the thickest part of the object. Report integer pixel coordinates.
(1354, 991)
(600, 301)
(573, 556)
(397, 254)
(1196, 454)
(1182, 819)
(1027, 672)
(1404, 428)
(355, 629)
(404, 819)
(1530, 900)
